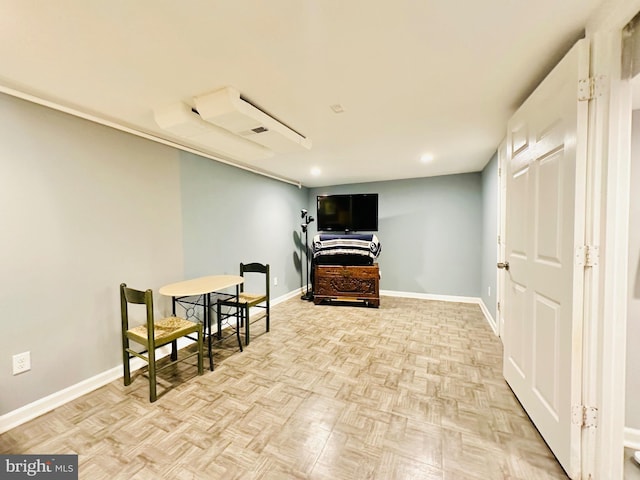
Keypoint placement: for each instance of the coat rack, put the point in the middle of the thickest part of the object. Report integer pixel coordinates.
(308, 295)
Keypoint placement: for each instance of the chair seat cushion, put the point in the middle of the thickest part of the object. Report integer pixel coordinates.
(252, 298)
(166, 328)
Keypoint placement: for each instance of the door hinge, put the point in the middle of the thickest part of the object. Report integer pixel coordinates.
(585, 417)
(592, 256)
(587, 255)
(590, 88)
(498, 239)
(498, 305)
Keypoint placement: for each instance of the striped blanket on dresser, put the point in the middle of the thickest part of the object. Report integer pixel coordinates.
(356, 249)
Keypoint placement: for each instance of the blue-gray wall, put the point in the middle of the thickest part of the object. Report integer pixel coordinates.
(68, 193)
(489, 255)
(85, 207)
(430, 230)
(231, 216)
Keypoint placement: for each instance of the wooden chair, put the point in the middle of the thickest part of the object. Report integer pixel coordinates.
(248, 300)
(152, 335)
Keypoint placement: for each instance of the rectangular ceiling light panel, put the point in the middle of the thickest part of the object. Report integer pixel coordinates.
(181, 121)
(226, 109)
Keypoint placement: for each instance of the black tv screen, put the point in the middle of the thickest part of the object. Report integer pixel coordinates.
(348, 213)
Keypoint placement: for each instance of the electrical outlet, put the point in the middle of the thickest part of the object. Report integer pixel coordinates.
(21, 362)
(275, 281)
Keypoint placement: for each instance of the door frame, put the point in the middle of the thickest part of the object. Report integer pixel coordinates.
(606, 284)
(605, 302)
(502, 228)
(607, 227)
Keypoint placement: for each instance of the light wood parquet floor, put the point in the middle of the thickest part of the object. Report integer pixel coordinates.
(412, 390)
(631, 467)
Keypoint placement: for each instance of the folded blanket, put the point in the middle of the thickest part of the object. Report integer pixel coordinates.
(366, 245)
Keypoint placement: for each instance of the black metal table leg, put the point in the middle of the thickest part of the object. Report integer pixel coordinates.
(207, 322)
(174, 344)
(219, 325)
(241, 320)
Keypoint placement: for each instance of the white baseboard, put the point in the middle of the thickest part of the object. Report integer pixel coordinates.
(430, 296)
(282, 298)
(488, 316)
(447, 298)
(35, 409)
(40, 407)
(632, 438)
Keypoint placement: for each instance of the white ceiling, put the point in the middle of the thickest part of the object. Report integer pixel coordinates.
(413, 76)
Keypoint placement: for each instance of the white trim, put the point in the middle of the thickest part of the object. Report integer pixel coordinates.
(124, 128)
(46, 404)
(40, 407)
(260, 311)
(632, 438)
(35, 409)
(282, 298)
(502, 232)
(429, 296)
(612, 15)
(489, 317)
(606, 284)
(446, 298)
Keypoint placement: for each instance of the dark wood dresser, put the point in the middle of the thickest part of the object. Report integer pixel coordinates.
(347, 283)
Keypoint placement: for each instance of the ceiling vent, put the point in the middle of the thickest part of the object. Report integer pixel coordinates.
(226, 109)
(182, 121)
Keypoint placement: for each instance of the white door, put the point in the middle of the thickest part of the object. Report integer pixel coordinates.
(546, 158)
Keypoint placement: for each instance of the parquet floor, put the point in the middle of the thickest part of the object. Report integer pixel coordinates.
(631, 467)
(412, 390)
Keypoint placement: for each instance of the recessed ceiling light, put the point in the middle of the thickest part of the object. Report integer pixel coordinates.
(337, 108)
(315, 171)
(426, 157)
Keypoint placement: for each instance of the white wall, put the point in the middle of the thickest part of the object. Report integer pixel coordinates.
(82, 209)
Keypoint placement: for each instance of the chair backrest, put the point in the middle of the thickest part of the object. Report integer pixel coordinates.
(139, 297)
(255, 268)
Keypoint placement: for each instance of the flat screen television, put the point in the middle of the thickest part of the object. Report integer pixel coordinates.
(348, 213)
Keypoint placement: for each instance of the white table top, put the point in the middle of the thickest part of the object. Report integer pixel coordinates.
(200, 286)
